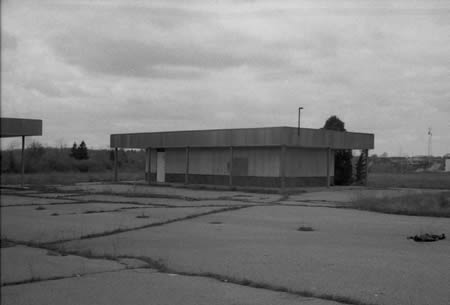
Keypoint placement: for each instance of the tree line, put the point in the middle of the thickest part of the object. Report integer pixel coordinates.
(77, 159)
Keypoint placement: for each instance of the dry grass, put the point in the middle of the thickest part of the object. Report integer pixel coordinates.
(436, 180)
(42, 179)
(436, 204)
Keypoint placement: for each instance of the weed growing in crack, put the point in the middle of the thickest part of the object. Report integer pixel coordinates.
(5, 243)
(142, 216)
(91, 212)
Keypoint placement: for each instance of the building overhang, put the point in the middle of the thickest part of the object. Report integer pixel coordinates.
(246, 137)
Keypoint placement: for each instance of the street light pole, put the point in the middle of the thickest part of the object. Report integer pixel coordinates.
(299, 110)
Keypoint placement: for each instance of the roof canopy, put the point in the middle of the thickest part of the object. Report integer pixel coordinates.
(246, 137)
(20, 127)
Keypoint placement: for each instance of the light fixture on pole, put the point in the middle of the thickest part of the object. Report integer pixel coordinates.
(430, 134)
(299, 111)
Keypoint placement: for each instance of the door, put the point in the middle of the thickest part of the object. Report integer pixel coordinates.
(160, 166)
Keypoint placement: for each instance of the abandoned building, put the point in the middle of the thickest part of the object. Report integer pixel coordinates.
(266, 157)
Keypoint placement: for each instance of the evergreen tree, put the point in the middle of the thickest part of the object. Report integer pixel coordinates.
(79, 152)
(342, 158)
(334, 123)
(74, 151)
(82, 151)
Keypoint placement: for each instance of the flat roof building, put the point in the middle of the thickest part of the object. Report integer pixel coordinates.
(266, 157)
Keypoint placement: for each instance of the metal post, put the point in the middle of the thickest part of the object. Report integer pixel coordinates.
(283, 167)
(186, 174)
(146, 165)
(366, 174)
(116, 156)
(328, 167)
(22, 170)
(230, 174)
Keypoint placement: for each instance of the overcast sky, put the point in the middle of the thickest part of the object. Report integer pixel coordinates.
(92, 68)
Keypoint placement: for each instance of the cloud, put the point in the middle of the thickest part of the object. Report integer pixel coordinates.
(8, 40)
(99, 54)
(93, 68)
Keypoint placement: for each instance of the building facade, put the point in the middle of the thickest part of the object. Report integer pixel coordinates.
(265, 157)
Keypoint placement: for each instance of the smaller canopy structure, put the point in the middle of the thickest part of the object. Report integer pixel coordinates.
(15, 127)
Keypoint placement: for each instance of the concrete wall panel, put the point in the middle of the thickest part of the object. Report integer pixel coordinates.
(308, 162)
(262, 162)
(209, 161)
(176, 161)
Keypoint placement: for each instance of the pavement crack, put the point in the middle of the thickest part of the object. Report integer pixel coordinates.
(161, 267)
(155, 224)
(55, 278)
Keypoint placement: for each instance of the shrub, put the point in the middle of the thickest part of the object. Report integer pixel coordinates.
(12, 166)
(84, 165)
(343, 169)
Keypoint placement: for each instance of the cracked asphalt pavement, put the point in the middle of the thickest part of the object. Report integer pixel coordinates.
(102, 244)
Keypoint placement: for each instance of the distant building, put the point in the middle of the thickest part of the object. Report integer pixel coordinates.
(447, 162)
(266, 157)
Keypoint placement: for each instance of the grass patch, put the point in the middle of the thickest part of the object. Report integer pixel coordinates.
(40, 208)
(437, 205)
(435, 180)
(66, 178)
(54, 214)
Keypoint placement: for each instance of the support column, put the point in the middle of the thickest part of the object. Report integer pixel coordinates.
(283, 168)
(230, 174)
(148, 165)
(328, 166)
(22, 165)
(116, 156)
(186, 174)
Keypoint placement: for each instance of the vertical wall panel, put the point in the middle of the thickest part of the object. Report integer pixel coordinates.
(262, 162)
(209, 161)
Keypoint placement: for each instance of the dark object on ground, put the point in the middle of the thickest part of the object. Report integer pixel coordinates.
(305, 229)
(427, 237)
